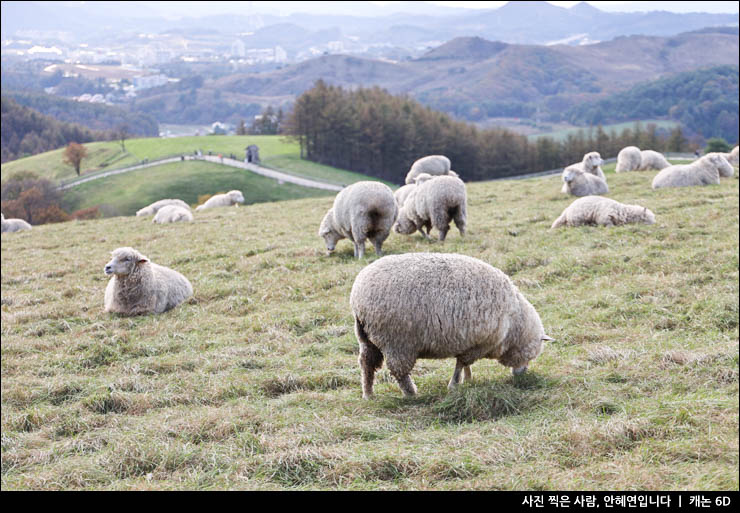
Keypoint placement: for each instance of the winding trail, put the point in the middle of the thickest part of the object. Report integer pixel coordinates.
(259, 170)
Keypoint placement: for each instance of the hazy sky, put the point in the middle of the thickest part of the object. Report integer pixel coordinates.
(624, 6)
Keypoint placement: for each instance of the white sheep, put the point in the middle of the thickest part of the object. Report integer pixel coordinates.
(650, 159)
(733, 156)
(172, 214)
(222, 200)
(139, 286)
(152, 209)
(433, 204)
(436, 305)
(597, 210)
(591, 163)
(361, 211)
(579, 183)
(432, 164)
(704, 171)
(14, 225)
(628, 159)
(402, 193)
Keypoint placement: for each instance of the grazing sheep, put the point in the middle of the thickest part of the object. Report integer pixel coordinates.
(402, 193)
(733, 156)
(172, 214)
(435, 305)
(139, 286)
(591, 164)
(580, 183)
(628, 159)
(14, 225)
(154, 207)
(431, 164)
(361, 211)
(222, 200)
(650, 159)
(434, 203)
(704, 171)
(597, 210)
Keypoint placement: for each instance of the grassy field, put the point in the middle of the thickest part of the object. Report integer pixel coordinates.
(561, 134)
(254, 382)
(275, 152)
(126, 193)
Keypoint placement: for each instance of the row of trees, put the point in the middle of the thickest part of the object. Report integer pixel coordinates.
(373, 132)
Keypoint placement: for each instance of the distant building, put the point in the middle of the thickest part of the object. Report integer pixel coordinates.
(147, 81)
(44, 52)
(238, 48)
(280, 54)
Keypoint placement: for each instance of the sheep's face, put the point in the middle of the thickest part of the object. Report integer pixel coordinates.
(593, 160)
(236, 196)
(648, 217)
(721, 163)
(405, 225)
(327, 232)
(124, 261)
(569, 175)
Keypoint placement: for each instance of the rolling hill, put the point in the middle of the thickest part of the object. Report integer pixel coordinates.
(253, 384)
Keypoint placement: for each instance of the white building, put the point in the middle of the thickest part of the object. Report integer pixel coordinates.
(280, 54)
(238, 48)
(145, 82)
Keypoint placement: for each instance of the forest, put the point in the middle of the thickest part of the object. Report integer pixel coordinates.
(370, 131)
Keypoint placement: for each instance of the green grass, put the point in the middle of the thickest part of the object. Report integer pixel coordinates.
(560, 135)
(254, 382)
(126, 193)
(276, 152)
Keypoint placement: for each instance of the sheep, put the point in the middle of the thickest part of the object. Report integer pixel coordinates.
(733, 156)
(138, 286)
(580, 183)
(436, 305)
(628, 159)
(154, 207)
(433, 204)
(650, 159)
(591, 163)
(361, 211)
(704, 171)
(222, 200)
(14, 225)
(172, 214)
(402, 193)
(431, 164)
(597, 210)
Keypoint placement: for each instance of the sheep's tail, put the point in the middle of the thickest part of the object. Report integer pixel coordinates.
(369, 353)
(560, 221)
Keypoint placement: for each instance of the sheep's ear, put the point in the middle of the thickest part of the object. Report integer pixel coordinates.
(142, 260)
(545, 338)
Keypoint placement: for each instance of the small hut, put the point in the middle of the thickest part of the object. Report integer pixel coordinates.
(253, 154)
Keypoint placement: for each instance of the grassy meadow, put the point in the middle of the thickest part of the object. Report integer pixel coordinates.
(254, 383)
(275, 152)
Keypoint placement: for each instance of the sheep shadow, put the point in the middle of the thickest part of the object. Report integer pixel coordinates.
(478, 401)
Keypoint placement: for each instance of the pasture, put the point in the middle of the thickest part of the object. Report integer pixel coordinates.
(254, 383)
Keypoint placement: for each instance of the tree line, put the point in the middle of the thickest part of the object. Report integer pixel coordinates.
(370, 131)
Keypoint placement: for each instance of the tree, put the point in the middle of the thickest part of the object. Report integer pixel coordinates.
(717, 144)
(677, 142)
(241, 129)
(73, 155)
(122, 133)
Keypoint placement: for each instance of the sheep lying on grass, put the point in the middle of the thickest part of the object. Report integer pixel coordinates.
(361, 211)
(154, 207)
(433, 204)
(14, 225)
(434, 305)
(580, 183)
(591, 164)
(432, 164)
(704, 171)
(222, 200)
(139, 286)
(650, 159)
(628, 159)
(598, 210)
(733, 157)
(172, 214)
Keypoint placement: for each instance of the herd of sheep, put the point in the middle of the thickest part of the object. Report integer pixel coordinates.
(419, 305)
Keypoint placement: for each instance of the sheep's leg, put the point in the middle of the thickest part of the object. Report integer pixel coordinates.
(459, 219)
(467, 374)
(378, 243)
(443, 233)
(360, 249)
(520, 370)
(370, 359)
(456, 375)
(400, 370)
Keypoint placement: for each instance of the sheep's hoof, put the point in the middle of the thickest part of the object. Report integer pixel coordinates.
(520, 370)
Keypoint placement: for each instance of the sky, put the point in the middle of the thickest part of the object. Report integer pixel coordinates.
(623, 6)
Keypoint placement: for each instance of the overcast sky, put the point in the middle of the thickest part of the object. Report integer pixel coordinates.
(624, 6)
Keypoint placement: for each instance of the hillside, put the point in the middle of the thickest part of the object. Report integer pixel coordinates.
(254, 383)
(704, 101)
(27, 132)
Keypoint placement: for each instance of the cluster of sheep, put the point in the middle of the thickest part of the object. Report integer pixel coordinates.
(175, 210)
